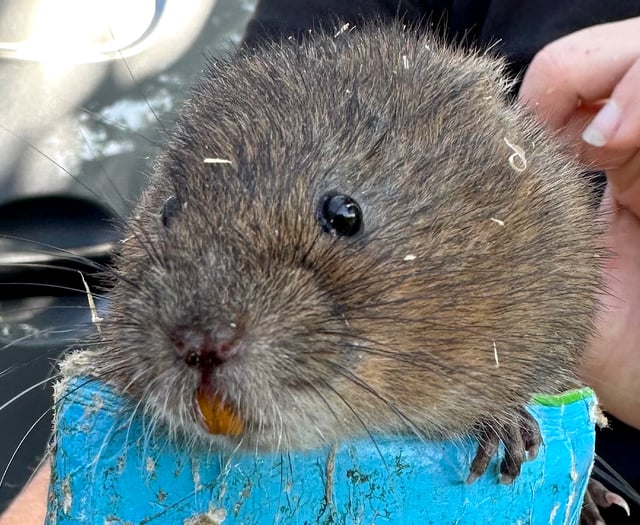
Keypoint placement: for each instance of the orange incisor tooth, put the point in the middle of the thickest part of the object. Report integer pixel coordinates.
(218, 418)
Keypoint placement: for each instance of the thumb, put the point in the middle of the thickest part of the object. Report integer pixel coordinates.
(580, 68)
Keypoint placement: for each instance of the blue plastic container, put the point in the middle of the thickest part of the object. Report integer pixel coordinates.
(106, 470)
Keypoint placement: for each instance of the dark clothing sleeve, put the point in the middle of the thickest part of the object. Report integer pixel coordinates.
(517, 29)
(285, 18)
(522, 28)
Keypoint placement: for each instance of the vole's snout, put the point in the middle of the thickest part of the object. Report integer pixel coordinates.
(205, 349)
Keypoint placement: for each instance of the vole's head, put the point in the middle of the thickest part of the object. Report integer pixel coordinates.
(336, 242)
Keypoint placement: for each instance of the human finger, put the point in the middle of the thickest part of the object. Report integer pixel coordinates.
(582, 67)
(624, 183)
(30, 506)
(617, 123)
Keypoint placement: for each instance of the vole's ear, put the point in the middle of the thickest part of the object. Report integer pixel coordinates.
(169, 210)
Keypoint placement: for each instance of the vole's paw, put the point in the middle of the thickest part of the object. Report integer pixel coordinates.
(521, 438)
(599, 497)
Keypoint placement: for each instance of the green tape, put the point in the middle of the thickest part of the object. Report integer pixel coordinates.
(566, 398)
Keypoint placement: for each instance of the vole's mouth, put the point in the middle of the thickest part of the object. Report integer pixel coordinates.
(216, 416)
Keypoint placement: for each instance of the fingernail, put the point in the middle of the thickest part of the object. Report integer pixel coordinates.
(603, 125)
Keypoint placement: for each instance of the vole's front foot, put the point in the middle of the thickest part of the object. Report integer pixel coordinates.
(599, 497)
(521, 438)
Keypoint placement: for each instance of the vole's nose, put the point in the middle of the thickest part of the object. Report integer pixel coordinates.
(205, 349)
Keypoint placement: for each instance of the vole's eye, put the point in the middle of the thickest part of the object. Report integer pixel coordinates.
(169, 210)
(339, 214)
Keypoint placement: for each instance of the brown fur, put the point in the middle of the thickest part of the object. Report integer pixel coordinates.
(345, 336)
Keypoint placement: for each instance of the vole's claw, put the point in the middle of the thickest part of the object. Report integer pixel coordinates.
(530, 432)
(487, 448)
(521, 439)
(599, 497)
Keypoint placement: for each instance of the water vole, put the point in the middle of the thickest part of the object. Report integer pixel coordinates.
(355, 235)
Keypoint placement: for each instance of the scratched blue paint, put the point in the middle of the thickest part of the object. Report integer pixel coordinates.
(108, 470)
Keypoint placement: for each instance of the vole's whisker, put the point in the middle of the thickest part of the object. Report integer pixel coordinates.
(19, 445)
(355, 413)
(23, 393)
(53, 250)
(75, 177)
(48, 286)
(603, 470)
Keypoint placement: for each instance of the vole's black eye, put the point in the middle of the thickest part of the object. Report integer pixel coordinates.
(170, 209)
(339, 214)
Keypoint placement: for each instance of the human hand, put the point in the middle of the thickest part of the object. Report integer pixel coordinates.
(587, 85)
(30, 507)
